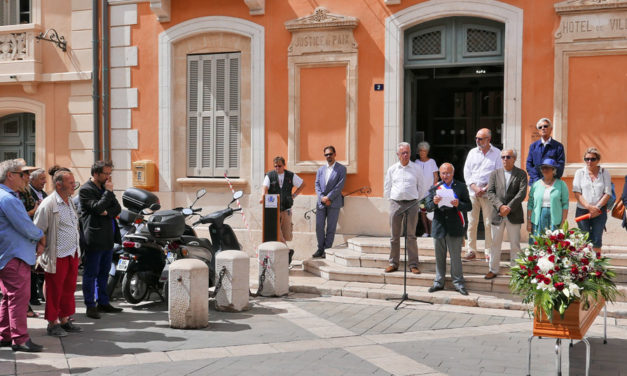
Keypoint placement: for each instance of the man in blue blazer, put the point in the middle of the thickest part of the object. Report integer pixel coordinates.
(329, 183)
(545, 147)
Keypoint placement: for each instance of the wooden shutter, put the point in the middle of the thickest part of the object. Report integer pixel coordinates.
(213, 115)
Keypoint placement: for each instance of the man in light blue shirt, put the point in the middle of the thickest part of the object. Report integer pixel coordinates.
(20, 242)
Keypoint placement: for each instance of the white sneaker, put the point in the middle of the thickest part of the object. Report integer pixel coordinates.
(425, 235)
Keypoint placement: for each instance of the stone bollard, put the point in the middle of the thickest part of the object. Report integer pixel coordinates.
(274, 255)
(234, 290)
(188, 296)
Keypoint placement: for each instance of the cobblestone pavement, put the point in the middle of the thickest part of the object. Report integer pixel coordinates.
(309, 335)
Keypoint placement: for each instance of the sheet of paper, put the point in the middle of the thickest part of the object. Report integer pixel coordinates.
(446, 195)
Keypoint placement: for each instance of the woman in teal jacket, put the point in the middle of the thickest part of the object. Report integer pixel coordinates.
(547, 207)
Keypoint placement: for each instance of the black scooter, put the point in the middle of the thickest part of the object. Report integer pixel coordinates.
(222, 237)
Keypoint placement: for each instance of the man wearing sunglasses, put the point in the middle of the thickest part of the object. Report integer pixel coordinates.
(545, 147)
(506, 191)
(20, 242)
(480, 162)
(329, 183)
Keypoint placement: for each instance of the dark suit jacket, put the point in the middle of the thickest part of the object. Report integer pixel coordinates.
(624, 198)
(513, 197)
(538, 153)
(100, 231)
(33, 193)
(333, 188)
(447, 220)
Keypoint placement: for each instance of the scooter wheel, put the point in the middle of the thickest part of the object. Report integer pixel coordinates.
(134, 289)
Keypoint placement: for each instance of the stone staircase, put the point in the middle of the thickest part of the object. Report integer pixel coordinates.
(361, 261)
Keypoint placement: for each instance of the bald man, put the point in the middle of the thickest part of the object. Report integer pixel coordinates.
(480, 163)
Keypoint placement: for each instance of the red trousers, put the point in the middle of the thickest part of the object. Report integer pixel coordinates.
(15, 286)
(60, 288)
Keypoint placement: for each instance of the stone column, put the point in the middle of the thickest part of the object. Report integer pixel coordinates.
(188, 303)
(274, 256)
(234, 289)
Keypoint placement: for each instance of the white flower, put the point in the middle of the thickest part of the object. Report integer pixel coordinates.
(566, 262)
(527, 252)
(541, 253)
(534, 281)
(574, 289)
(545, 265)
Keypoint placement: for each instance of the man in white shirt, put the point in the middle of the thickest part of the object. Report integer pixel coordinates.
(403, 186)
(480, 163)
(281, 181)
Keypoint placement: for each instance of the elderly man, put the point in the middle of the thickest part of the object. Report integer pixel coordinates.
(20, 241)
(57, 218)
(403, 186)
(449, 202)
(506, 191)
(329, 183)
(545, 147)
(480, 163)
(37, 184)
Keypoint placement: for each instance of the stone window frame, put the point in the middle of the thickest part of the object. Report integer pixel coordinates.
(166, 41)
(563, 53)
(295, 63)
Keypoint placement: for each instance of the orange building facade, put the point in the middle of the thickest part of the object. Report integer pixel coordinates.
(207, 89)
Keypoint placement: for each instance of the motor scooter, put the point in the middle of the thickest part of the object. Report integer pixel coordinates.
(222, 237)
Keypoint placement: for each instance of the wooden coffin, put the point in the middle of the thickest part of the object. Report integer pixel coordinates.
(574, 325)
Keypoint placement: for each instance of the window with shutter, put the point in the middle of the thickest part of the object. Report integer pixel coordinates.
(15, 12)
(213, 115)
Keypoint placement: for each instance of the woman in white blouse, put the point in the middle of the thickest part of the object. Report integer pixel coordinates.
(592, 187)
(430, 176)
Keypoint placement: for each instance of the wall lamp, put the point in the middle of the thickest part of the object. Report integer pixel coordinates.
(54, 38)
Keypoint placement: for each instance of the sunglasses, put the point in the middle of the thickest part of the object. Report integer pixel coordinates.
(278, 166)
(543, 126)
(21, 173)
(328, 154)
(590, 159)
(480, 138)
(506, 157)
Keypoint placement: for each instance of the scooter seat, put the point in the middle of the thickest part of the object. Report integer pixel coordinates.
(203, 242)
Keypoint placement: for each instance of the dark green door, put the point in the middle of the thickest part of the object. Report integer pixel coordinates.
(17, 137)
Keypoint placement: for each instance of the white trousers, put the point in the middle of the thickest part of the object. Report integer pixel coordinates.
(479, 204)
(513, 232)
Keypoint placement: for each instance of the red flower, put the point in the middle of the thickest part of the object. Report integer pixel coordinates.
(535, 242)
(530, 258)
(585, 261)
(599, 273)
(559, 286)
(560, 236)
(598, 255)
(523, 267)
(557, 268)
(536, 268)
(552, 258)
(551, 272)
(584, 268)
(571, 232)
(573, 269)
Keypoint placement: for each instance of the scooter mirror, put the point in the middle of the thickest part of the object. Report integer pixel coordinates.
(154, 207)
(201, 192)
(187, 211)
(237, 195)
(147, 211)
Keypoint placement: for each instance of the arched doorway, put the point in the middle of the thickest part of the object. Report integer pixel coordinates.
(17, 137)
(453, 85)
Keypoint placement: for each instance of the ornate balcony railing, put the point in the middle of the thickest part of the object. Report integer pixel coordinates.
(20, 54)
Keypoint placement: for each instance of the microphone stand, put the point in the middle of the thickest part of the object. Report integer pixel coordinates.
(405, 297)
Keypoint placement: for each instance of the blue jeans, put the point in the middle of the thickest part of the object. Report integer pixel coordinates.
(593, 226)
(96, 266)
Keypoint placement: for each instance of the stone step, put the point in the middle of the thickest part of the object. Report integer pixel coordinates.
(330, 271)
(302, 281)
(381, 246)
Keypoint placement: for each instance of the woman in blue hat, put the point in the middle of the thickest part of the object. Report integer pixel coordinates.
(547, 207)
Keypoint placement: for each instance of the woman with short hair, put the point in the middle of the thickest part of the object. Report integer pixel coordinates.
(547, 207)
(592, 187)
(429, 170)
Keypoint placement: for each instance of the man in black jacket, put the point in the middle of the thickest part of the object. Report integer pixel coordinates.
(99, 207)
(449, 200)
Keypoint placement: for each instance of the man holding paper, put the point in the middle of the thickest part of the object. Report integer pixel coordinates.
(449, 200)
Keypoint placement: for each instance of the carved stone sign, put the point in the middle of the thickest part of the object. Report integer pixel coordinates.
(322, 32)
(584, 20)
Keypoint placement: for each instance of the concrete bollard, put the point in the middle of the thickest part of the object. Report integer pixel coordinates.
(276, 279)
(188, 296)
(233, 293)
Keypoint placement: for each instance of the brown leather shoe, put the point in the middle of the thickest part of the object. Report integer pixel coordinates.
(490, 275)
(391, 269)
(415, 270)
(469, 256)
